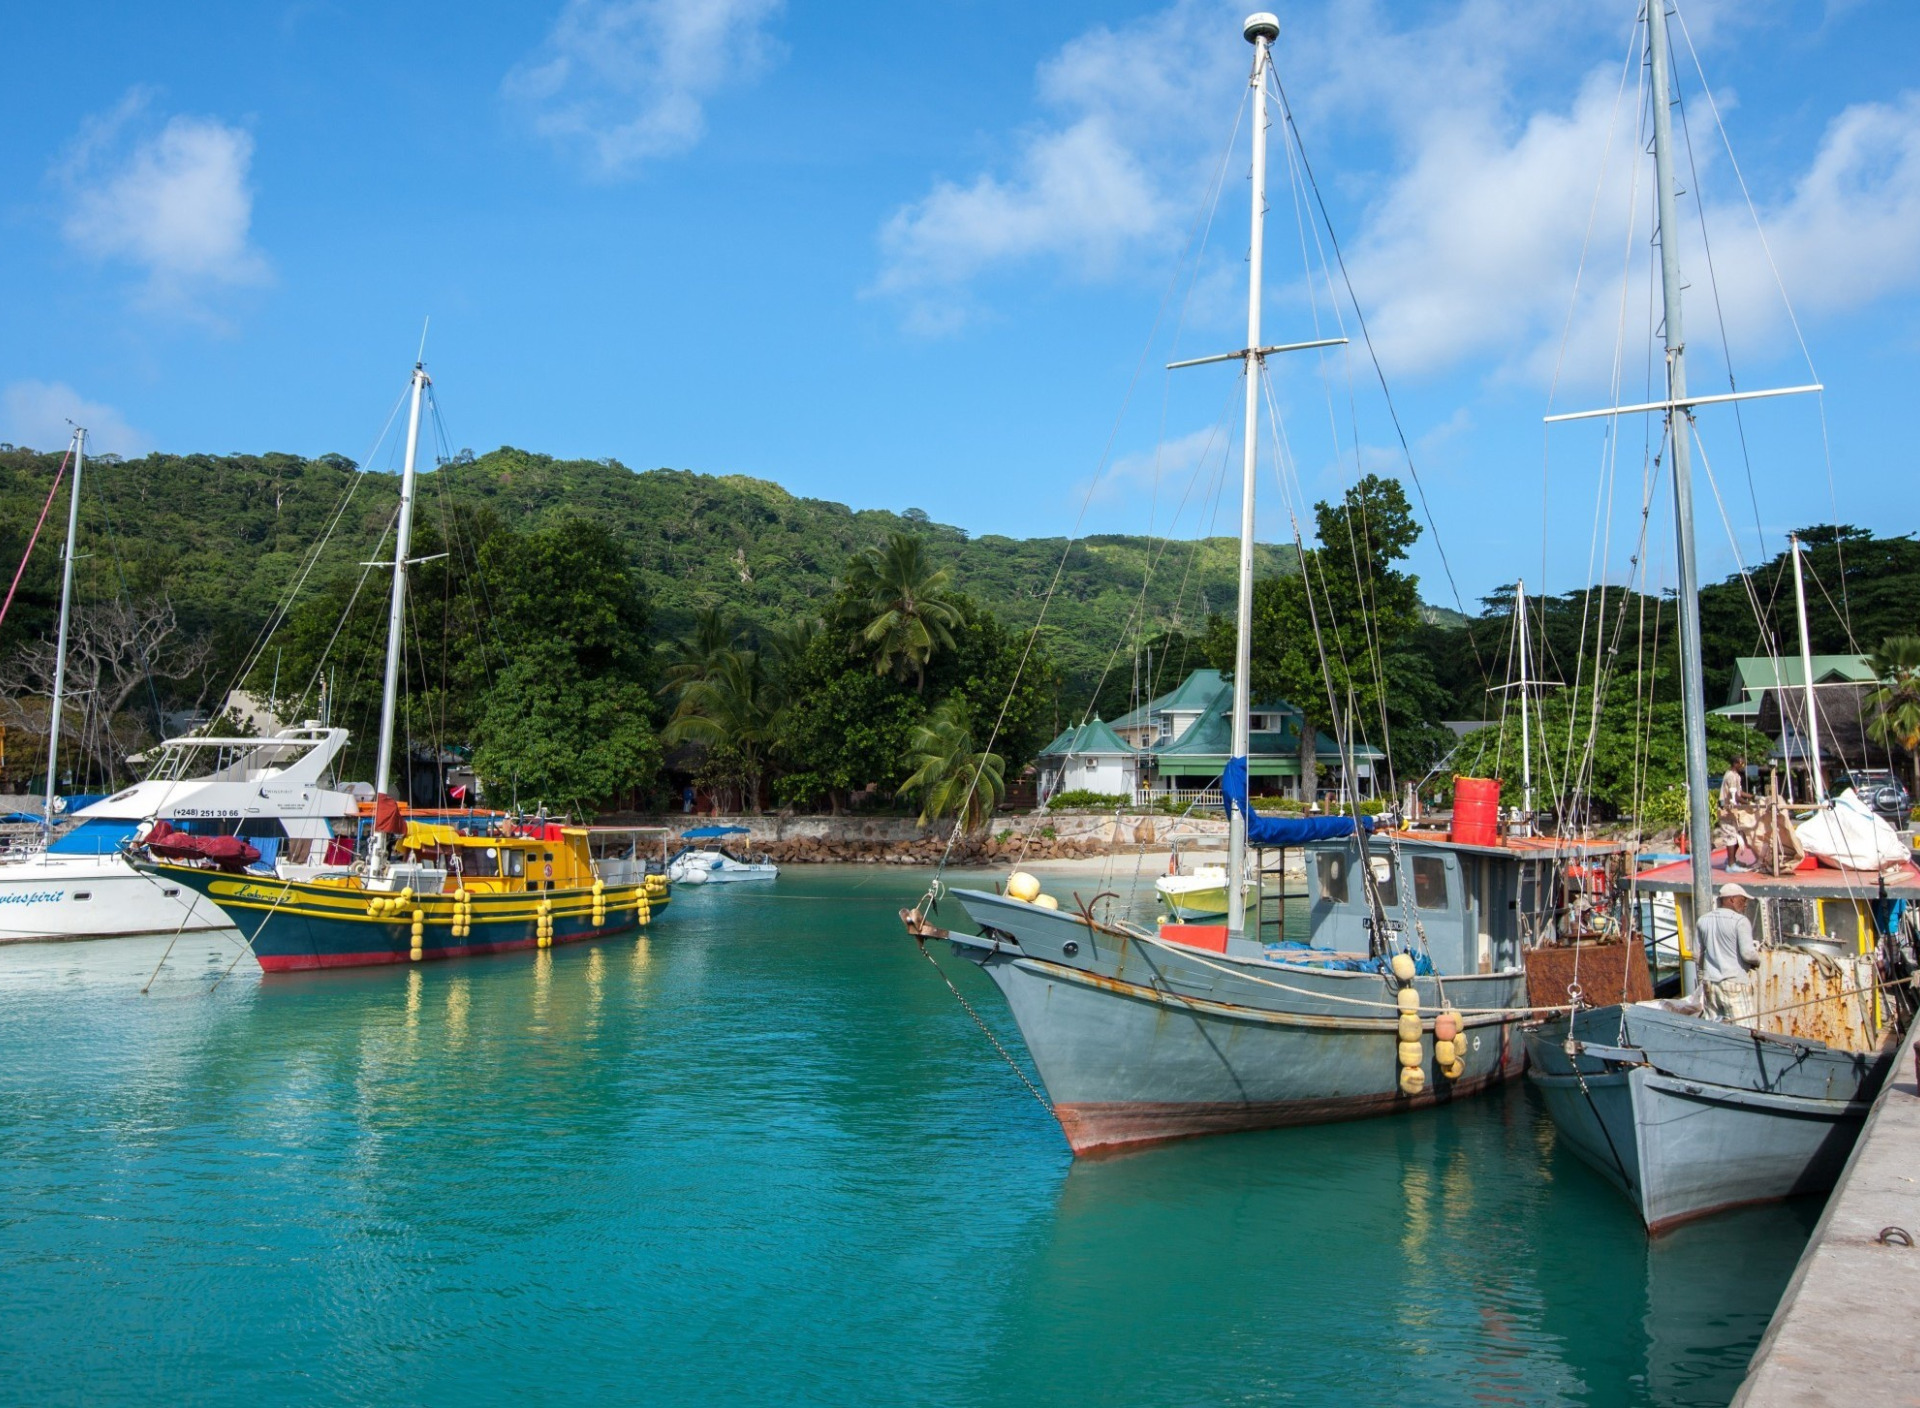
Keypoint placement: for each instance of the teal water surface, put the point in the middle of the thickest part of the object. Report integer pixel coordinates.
(762, 1156)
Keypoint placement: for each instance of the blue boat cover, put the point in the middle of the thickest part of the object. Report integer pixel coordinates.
(1280, 830)
(96, 836)
(711, 833)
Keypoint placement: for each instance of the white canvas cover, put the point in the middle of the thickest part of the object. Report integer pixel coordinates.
(1850, 835)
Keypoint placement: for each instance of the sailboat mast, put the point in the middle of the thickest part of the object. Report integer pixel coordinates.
(1693, 700)
(397, 612)
(1260, 30)
(1526, 736)
(66, 621)
(1806, 677)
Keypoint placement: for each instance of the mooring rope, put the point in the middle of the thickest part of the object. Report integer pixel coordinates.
(920, 941)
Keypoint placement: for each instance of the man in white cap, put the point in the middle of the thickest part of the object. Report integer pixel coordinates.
(1729, 954)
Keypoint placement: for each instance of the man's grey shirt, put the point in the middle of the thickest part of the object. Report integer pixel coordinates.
(1727, 946)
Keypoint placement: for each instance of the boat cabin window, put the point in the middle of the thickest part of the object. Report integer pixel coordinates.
(483, 862)
(1429, 882)
(1384, 881)
(1333, 877)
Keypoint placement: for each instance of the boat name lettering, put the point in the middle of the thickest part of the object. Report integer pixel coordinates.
(30, 896)
(245, 892)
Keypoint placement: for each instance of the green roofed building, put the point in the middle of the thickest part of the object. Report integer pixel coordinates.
(1178, 745)
(1755, 675)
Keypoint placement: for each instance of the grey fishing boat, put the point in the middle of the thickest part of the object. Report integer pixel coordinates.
(1407, 992)
(1142, 1035)
(1686, 1113)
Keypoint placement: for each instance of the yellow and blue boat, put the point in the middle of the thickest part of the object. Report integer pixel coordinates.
(419, 891)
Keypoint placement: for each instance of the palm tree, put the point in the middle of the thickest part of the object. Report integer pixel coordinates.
(899, 603)
(733, 710)
(951, 778)
(1896, 702)
(701, 653)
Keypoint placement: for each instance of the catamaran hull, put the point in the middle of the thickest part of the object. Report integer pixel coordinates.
(55, 900)
(1689, 1117)
(1136, 1044)
(294, 928)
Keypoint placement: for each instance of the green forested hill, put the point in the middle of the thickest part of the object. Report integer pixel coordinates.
(223, 537)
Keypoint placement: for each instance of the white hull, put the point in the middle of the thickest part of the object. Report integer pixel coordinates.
(53, 898)
(714, 868)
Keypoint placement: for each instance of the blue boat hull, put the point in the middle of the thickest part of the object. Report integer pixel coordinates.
(295, 926)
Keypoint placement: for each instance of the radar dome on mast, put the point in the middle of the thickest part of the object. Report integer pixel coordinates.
(1261, 26)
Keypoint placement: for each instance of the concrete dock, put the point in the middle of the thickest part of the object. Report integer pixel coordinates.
(1845, 1332)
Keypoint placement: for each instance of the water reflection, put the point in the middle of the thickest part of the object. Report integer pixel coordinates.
(762, 1142)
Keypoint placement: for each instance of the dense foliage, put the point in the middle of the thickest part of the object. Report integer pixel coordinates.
(577, 629)
(1334, 639)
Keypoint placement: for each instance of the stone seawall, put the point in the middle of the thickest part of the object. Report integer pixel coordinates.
(898, 840)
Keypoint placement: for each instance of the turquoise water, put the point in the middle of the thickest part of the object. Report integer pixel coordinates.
(761, 1156)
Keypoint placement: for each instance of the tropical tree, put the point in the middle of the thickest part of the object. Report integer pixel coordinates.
(702, 652)
(901, 607)
(951, 777)
(1896, 701)
(569, 719)
(737, 713)
(1338, 627)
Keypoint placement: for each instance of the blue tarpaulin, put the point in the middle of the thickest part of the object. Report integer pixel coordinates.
(712, 833)
(96, 836)
(1280, 830)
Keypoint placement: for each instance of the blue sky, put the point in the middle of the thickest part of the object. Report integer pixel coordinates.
(913, 254)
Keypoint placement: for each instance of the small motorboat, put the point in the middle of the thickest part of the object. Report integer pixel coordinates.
(714, 864)
(1200, 892)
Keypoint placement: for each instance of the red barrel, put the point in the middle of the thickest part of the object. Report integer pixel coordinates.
(1476, 811)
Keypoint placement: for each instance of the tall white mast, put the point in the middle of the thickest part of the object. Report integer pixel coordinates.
(1526, 736)
(66, 621)
(397, 612)
(1261, 30)
(1693, 699)
(1806, 677)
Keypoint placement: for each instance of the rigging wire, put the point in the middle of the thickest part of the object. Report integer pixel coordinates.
(1086, 502)
(1360, 316)
(1793, 318)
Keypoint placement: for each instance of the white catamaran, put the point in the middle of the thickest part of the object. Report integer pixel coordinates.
(272, 792)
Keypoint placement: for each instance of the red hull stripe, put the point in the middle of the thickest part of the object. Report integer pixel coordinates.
(1104, 1127)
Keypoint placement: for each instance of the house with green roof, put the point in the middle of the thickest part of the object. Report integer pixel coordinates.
(1090, 758)
(1768, 693)
(1177, 745)
(1755, 675)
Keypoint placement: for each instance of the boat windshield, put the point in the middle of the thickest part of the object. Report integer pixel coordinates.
(225, 759)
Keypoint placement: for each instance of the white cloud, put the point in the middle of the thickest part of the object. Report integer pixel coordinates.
(626, 81)
(1490, 121)
(1084, 191)
(176, 203)
(42, 414)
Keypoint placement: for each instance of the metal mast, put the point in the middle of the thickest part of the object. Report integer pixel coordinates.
(1526, 736)
(1260, 30)
(1806, 678)
(396, 614)
(66, 621)
(1693, 699)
